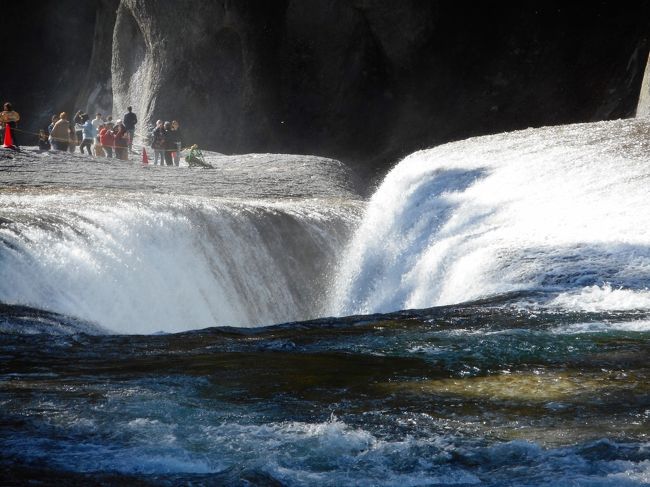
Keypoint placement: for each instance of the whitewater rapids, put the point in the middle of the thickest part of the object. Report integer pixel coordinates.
(544, 380)
(146, 249)
(559, 214)
(562, 211)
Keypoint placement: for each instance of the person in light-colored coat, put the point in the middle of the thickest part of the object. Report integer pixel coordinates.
(60, 134)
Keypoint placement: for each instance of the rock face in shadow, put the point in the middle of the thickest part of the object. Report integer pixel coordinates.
(96, 93)
(364, 81)
(207, 64)
(46, 51)
(368, 81)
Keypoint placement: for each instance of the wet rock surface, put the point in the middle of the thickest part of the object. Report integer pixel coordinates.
(243, 176)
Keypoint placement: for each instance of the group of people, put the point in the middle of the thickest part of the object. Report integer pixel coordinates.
(100, 137)
(167, 142)
(107, 137)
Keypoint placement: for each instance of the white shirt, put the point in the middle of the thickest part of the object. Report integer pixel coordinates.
(97, 122)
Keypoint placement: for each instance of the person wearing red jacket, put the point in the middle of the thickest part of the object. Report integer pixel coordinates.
(107, 140)
(121, 141)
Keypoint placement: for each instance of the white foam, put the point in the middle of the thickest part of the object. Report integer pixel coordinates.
(557, 209)
(333, 453)
(602, 298)
(144, 263)
(633, 473)
(602, 327)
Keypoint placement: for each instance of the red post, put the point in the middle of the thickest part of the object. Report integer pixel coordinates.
(145, 158)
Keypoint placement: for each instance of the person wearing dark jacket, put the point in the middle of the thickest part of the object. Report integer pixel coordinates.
(158, 143)
(170, 144)
(43, 142)
(78, 123)
(129, 120)
(121, 141)
(178, 140)
(55, 118)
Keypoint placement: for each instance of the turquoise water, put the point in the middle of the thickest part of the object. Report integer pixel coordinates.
(481, 394)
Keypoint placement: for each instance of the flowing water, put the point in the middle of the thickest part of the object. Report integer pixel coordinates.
(140, 250)
(523, 259)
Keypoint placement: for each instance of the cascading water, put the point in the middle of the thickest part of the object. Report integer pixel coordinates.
(141, 261)
(142, 264)
(544, 382)
(562, 210)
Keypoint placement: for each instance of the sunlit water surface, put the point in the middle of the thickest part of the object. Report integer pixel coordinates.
(525, 364)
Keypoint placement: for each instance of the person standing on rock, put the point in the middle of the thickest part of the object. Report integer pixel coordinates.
(89, 134)
(107, 140)
(121, 141)
(97, 121)
(9, 117)
(98, 150)
(73, 140)
(60, 133)
(129, 120)
(55, 118)
(178, 140)
(43, 142)
(158, 143)
(78, 130)
(170, 144)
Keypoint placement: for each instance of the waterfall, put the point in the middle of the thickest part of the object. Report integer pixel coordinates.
(558, 210)
(142, 263)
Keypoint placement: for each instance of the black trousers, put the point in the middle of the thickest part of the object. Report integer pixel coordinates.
(87, 143)
(58, 145)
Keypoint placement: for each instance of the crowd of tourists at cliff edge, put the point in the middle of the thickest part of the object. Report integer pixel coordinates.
(101, 136)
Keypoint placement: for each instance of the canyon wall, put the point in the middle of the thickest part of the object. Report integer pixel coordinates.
(364, 81)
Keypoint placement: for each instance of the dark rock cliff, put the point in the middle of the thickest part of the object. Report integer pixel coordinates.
(364, 81)
(96, 92)
(210, 65)
(46, 52)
